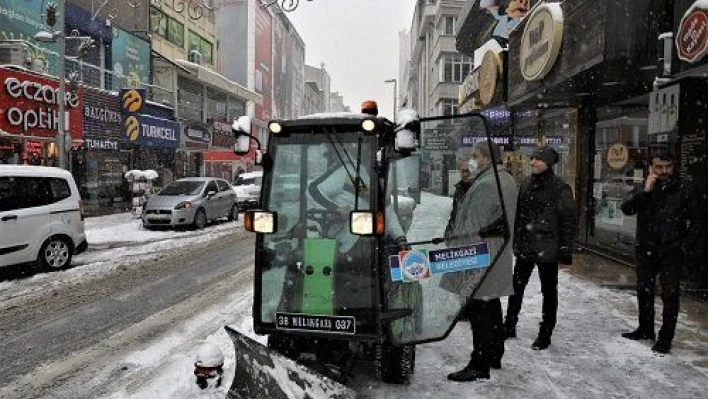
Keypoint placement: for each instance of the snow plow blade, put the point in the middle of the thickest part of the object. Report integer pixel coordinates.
(262, 373)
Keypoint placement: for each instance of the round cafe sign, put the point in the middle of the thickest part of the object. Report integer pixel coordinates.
(541, 41)
(488, 74)
(617, 156)
(692, 36)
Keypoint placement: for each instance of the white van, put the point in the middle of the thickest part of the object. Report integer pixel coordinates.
(41, 217)
(248, 189)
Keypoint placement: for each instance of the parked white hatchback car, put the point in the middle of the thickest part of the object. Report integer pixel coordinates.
(41, 217)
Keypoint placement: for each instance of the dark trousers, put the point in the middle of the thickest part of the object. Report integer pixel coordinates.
(486, 321)
(668, 267)
(548, 273)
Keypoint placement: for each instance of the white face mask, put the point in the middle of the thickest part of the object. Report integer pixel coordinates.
(473, 164)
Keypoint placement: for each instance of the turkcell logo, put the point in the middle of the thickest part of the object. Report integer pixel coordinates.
(156, 132)
(475, 256)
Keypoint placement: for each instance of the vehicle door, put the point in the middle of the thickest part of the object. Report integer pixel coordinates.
(436, 274)
(64, 211)
(227, 197)
(211, 202)
(24, 218)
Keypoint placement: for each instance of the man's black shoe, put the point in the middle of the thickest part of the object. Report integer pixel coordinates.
(662, 346)
(468, 374)
(509, 332)
(541, 343)
(638, 334)
(495, 364)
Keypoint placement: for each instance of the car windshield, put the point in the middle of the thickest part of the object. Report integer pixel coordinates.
(183, 188)
(245, 181)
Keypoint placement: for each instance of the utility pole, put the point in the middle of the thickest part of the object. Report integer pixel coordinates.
(61, 132)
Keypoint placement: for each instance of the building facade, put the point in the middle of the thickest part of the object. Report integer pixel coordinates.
(564, 70)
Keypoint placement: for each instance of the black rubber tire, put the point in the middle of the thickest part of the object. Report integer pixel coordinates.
(233, 213)
(200, 219)
(394, 364)
(55, 254)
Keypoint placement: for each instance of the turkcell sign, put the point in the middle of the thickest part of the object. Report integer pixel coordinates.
(156, 132)
(475, 256)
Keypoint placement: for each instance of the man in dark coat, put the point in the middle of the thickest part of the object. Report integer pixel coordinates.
(480, 217)
(668, 227)
(460, 190)
(544, 232)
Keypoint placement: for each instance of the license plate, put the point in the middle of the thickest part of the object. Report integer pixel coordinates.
(311, 322)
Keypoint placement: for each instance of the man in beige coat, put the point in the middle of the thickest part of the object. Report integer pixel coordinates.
(480, 218)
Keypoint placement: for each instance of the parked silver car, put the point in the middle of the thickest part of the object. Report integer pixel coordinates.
(191, 201)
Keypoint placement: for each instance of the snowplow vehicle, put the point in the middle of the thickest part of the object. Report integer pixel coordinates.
(339, 280)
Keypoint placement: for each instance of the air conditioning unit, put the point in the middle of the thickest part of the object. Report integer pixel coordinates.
(22, 54)
(195, 57)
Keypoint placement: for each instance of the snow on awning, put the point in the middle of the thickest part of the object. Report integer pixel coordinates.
(215, 79)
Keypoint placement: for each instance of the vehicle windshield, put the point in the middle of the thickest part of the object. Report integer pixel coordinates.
(311, 189)
(245, 181)
(182, 188)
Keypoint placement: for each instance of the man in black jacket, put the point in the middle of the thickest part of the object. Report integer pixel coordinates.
(544, 232)
(460, 190)
(668, 226)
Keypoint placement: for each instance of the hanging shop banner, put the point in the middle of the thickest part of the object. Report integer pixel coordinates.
(541, 41)
(21, 20)
(196, 136)
(692, 36)
(29, 106)
(102, 116)
(152, 132)
(131, 59)
(470, 141)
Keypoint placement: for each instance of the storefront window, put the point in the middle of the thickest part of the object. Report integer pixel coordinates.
(216, 106)
(190, 100)
(620, 163)
(103, 187)
(10, 152)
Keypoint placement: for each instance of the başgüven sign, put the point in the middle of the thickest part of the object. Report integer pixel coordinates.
(29, 105)
(102, 116)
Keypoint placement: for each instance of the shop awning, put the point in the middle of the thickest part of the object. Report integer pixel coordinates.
(215, 79)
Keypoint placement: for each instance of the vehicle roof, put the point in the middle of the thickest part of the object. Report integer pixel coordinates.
(199, 178)
(251, 174)
(27, 170)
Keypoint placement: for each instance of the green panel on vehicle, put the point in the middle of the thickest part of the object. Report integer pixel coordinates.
(318, 290)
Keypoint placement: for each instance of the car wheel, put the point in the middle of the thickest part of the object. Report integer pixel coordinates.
(233, 214)
(200, 219)
(55, 254)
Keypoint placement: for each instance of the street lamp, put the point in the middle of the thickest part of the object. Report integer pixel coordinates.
(58, 37)
(395, 95)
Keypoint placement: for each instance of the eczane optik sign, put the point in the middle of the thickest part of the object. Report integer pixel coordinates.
(29, 105)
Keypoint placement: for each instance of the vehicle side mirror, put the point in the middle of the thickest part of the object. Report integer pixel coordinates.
(211, 194)
(243, 144)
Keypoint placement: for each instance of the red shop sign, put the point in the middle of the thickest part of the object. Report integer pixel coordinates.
(29, 106)
(692, 37)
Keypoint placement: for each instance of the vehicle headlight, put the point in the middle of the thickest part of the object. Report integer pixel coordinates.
(184, 205)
